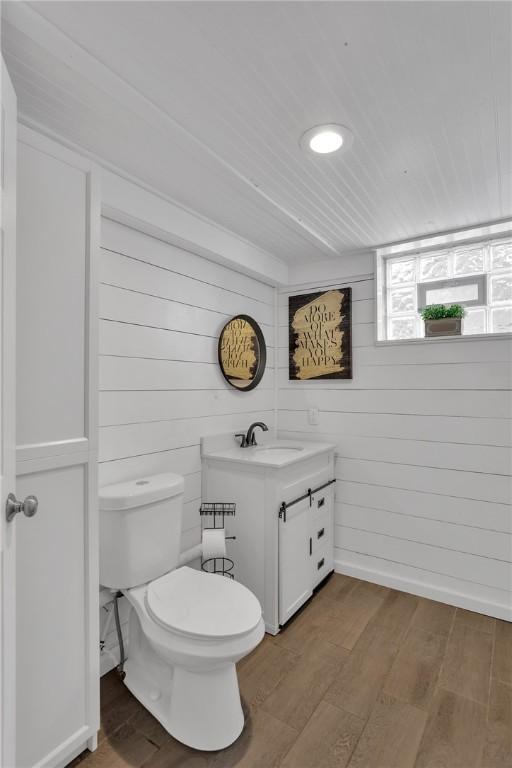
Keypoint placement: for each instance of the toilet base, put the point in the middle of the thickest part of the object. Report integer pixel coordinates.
(200, 709)
(205, 708)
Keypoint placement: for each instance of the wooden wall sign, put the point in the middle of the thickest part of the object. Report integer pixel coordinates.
(242, 352)
(320, 335)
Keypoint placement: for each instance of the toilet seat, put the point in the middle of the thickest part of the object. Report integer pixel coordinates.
(201, 605)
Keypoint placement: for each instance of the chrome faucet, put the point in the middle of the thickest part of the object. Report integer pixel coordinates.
(249, 439)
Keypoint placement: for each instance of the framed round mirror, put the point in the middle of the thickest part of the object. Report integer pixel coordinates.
(242, 353)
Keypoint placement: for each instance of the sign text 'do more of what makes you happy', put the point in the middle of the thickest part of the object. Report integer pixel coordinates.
(320, 344)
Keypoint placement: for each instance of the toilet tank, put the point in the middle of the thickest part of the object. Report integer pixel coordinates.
(140, 529)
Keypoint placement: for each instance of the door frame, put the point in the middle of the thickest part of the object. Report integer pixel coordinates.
(8, 149)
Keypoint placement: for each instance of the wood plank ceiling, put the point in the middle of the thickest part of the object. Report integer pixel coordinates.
(206, 102)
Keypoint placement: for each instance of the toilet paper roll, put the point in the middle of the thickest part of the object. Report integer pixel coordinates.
(214, 543)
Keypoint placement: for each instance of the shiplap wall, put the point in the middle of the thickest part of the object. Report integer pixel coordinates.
(161, 311)
(423, 434)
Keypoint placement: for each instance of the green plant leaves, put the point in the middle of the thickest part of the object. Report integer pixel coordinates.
(438, 311)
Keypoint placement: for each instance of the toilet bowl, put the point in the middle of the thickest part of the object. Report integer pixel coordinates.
(187, 628)
(187, 631)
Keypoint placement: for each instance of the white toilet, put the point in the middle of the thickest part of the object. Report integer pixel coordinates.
(187, 628)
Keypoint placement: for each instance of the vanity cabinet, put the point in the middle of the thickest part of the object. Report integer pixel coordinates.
(280, 553)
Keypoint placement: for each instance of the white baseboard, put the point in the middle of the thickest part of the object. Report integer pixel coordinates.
(68, 750)
(459, 600)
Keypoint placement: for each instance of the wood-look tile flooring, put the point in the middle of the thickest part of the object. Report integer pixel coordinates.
(364, 677)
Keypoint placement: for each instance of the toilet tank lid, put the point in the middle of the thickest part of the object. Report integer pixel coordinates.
(140, 491)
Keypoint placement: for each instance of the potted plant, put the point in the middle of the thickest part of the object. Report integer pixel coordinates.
(443, 320)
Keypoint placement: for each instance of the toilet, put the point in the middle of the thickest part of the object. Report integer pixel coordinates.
(187, 628)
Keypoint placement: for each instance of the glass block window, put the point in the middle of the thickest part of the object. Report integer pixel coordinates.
(478, 276)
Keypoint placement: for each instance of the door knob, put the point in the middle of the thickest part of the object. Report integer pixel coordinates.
(13, 506)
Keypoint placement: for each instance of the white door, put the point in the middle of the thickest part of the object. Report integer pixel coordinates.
(49, 652)
(294, 559)
(57, 642)
(8, 124)
(49, 644)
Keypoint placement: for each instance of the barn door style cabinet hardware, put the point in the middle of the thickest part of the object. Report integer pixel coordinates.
(308, 495)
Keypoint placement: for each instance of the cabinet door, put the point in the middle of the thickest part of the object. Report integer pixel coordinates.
(294, 560)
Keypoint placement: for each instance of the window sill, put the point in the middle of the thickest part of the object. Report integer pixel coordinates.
(443, 339)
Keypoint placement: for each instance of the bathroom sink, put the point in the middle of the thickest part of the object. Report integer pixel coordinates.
(275, 453)
(278, 452)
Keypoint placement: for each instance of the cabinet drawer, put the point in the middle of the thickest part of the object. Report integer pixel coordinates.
(321, 503)
(321, 564)
(322, 500)
(321, 529)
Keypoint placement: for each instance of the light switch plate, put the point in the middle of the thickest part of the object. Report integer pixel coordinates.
(314, 416)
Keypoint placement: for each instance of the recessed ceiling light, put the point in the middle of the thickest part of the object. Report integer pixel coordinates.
(325, 139)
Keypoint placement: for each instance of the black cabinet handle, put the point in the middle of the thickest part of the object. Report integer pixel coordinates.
(310, 545)
(320, 533)
(321, 501)
(320, 564)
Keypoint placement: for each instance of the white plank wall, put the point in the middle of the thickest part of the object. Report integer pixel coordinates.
(423, 434)
(161, 312)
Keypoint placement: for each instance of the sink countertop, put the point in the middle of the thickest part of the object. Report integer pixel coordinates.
(274, 453)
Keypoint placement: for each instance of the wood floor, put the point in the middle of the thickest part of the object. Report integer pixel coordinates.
(364, 677)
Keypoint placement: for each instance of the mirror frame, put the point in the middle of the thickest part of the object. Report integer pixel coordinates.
(262, 362)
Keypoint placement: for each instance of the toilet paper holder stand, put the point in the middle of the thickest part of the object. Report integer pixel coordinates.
(217, 510)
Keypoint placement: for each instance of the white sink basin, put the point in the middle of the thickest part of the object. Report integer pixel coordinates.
(278, 452)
